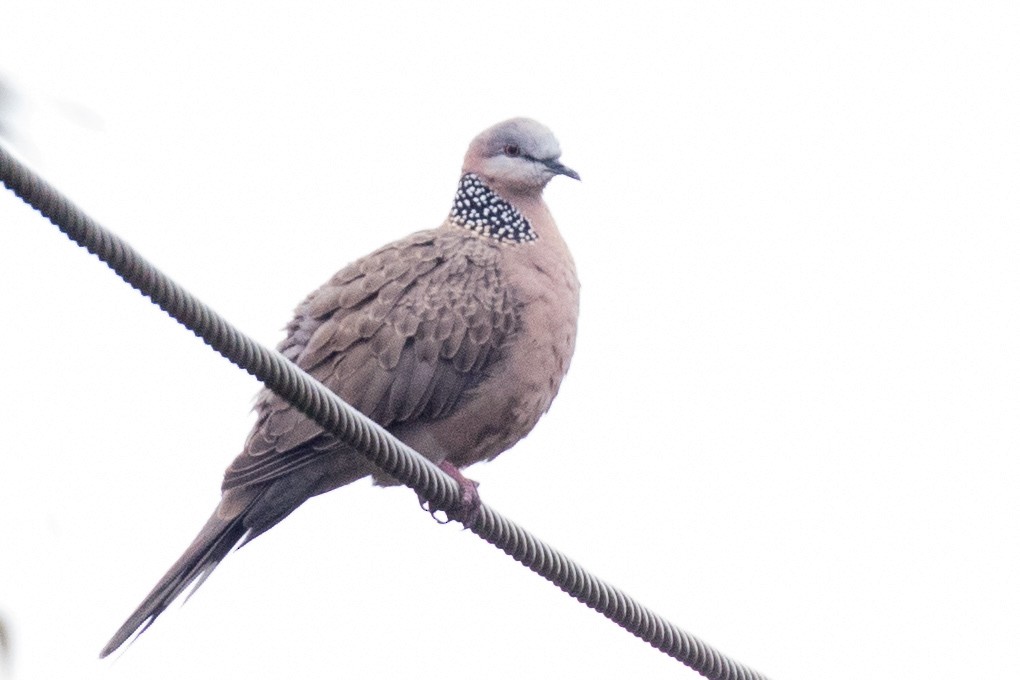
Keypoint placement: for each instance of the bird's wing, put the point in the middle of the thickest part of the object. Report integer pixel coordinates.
(401, 335)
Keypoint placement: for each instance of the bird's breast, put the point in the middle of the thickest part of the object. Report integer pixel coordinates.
(520, 386)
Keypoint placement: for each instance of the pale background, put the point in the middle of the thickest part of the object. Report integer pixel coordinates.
(791, 425)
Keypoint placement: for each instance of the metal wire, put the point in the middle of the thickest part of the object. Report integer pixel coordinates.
(378, 445)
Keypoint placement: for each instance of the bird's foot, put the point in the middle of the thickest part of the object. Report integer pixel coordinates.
(470, 503)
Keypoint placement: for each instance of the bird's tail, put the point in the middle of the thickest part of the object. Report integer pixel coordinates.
(212, 544)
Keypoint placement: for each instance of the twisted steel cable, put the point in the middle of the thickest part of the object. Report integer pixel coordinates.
(355, 429)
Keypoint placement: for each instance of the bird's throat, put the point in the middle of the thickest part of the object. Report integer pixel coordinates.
(480, 209)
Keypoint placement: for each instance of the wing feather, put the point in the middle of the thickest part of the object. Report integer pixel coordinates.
(402, 335)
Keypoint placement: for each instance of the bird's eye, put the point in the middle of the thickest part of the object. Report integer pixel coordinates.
(512, 150)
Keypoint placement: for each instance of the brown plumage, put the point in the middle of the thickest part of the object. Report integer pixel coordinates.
(454, 339)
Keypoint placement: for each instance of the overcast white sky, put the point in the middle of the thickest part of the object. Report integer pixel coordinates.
(793, 419)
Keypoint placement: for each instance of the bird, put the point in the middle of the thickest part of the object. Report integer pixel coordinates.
(455, 339)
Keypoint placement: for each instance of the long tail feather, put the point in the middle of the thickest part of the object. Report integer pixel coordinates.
(212, 544)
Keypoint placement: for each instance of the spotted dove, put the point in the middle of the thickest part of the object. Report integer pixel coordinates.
(454, 339)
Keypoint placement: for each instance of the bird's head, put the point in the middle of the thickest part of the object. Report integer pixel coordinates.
(519, 155)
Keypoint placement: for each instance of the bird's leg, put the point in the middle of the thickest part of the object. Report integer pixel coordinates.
(470, 502)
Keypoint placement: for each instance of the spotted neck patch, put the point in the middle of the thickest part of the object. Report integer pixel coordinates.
(478, 208)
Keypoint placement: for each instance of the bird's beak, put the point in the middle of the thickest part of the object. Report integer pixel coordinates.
(559, 169)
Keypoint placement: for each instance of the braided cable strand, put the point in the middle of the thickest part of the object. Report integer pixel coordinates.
(355, 429)
(269, 366)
